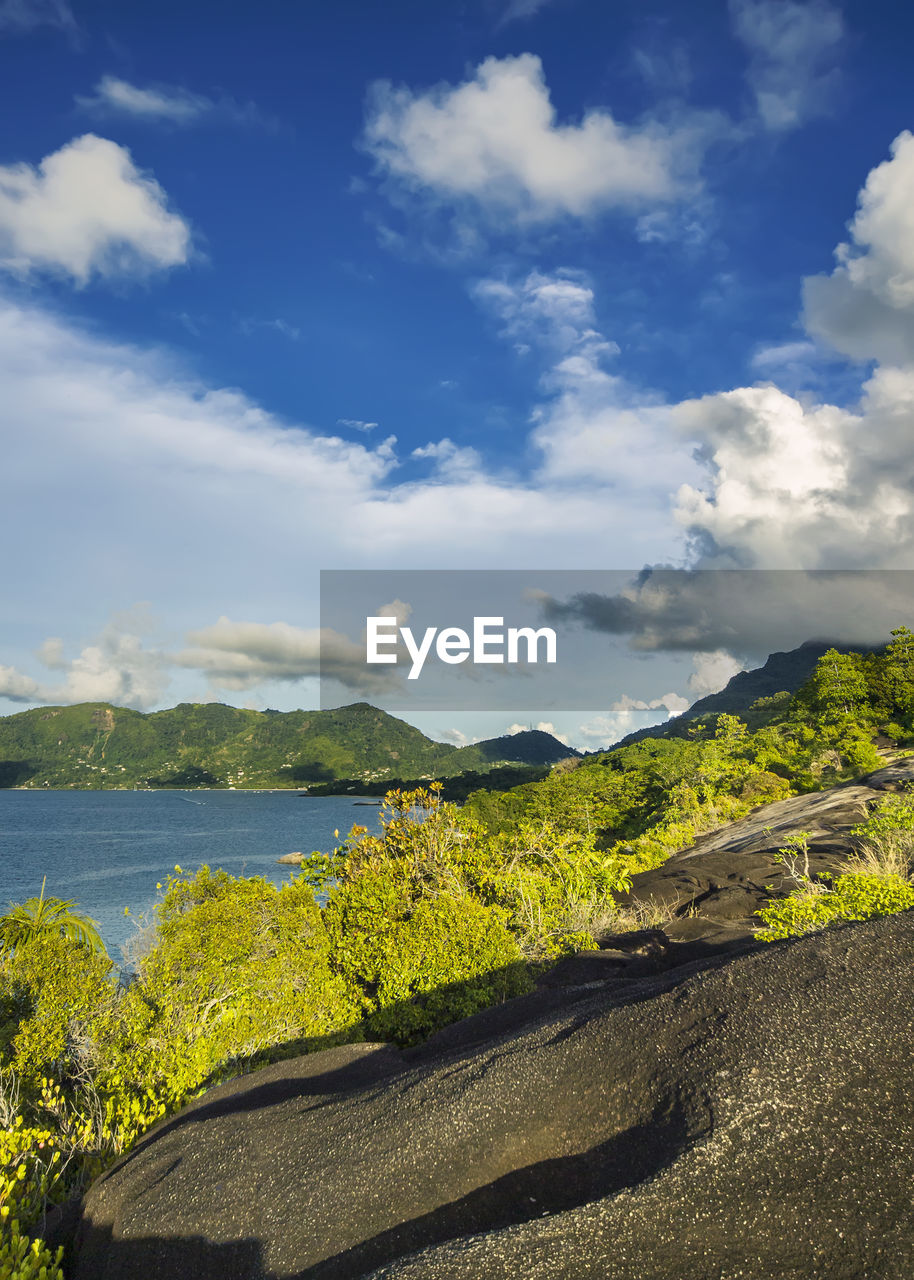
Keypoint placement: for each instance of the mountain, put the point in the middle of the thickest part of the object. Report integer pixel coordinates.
(781, 673)
(98, 746)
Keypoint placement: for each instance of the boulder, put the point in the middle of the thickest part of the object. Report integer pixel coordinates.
(744, 1116)
(717, 886)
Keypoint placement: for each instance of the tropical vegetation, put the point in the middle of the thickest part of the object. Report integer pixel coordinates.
(447, 910)
(94, 746)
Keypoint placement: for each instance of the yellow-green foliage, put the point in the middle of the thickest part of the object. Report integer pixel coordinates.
(60, 989)
(239, 967)
(30, 1164)
(434, 917)
(538, 875)
(875, 880)
(851, 897)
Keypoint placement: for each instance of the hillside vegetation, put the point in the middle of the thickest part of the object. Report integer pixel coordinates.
(444, 913)
(97, 746)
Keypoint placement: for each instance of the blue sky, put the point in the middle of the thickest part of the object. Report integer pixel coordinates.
(498, 283)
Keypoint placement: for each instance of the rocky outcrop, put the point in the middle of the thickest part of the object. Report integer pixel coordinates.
(709, 894)
(739, 1116)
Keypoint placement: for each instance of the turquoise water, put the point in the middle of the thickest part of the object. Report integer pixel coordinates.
(108, 849)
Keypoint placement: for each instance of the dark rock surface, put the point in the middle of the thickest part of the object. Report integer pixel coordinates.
(746, 1117)
(713, 890)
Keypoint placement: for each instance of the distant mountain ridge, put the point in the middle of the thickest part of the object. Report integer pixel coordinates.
(97, 746)
(782, 672)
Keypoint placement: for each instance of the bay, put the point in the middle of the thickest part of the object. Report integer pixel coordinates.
(107, 850)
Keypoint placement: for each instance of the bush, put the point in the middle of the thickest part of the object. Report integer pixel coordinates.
(56, 992)
(240, 968)
(851, 897)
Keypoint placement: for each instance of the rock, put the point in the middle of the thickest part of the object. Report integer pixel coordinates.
(739, 1116)
(729, 874)
(292, 858)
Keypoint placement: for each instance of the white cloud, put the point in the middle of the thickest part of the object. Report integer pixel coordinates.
(87, 210)
(24, 15)
(398, 609)
(170, 104)
(457, 737)
(114, 96)
(784, 355)
(18, 687)
(712, 672)
(216, 502)
(116, 668)
(519, 10)
(356, 424)
(794, 483)
(779, 475)
(591, 423)
(555, 310)
(241, 655)
(542, 726)
(452, 461)
(250, 324)
(792, 49)
(626, 715)
(495, 140)
(865, 308)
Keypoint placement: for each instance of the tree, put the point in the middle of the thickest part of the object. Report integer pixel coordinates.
(838, 686)
(898, 671)
(40, 916)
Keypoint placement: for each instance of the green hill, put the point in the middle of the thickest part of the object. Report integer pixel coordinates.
(782, 674)
(96, 746)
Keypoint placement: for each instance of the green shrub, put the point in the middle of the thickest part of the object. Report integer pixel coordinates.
(240, 968)
(55, 992)
(851, 897)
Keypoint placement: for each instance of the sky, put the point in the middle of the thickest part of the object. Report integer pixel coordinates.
(511, 284)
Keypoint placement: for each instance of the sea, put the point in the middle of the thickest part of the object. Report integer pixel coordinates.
(109, 850)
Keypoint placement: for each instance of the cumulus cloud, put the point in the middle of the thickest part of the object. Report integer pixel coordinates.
(87, 210)
(865, 308)
(792, 49)
(722, 613)
(626, 715)
(18, 687)
(495, 140)
(713, 672)
(456, 737)
(451, 461)
(797, 484)
(553, 310)
(398, 609)
(791, 482)
(24, 15)
(779, 477)
(241, 655)
(117, 667)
